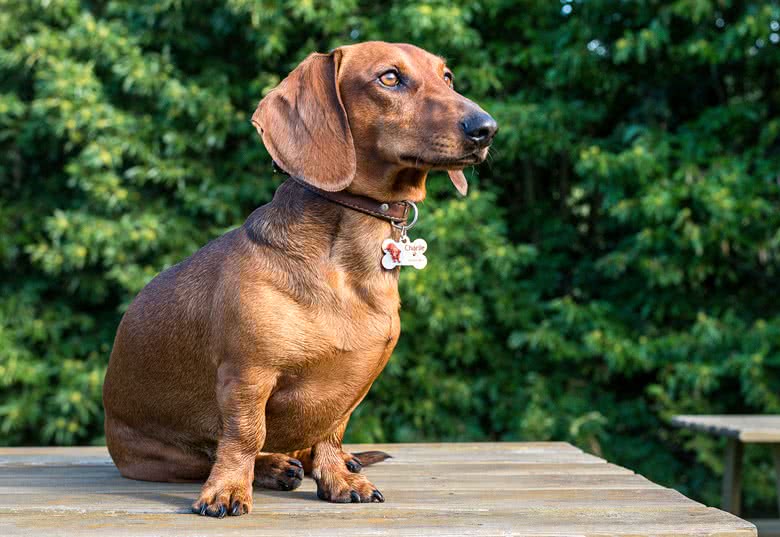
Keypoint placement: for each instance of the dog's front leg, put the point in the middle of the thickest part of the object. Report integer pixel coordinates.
(335, 481)
(241, 397)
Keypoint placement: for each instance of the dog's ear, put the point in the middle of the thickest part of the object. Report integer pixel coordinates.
(304, 125)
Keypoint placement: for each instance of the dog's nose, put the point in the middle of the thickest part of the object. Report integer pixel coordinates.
(479, 128)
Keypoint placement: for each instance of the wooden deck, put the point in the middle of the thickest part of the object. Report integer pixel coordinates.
(551, 489)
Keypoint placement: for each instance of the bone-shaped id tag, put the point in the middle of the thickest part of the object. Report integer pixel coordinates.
(404, 253)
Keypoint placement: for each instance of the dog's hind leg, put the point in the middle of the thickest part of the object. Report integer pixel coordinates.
(148, 459)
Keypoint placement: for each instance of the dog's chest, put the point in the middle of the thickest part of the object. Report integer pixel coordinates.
(344, 344)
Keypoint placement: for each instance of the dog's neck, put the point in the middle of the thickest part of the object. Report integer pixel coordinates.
(303, 225)
(389, 182)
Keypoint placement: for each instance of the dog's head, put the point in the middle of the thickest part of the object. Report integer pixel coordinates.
(373, 118)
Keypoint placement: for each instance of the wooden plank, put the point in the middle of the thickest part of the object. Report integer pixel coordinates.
(747, 428)
(368, 519)
(161, 502)
(731, 494)
(432, 452)
(474, 489)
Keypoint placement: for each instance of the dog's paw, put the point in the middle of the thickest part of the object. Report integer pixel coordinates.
(220, 499)
(278, 472)
(343, 487)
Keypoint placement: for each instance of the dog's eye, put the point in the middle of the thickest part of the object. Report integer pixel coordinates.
(448, 79)
(390, 79)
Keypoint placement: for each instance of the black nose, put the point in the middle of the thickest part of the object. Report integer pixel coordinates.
(479, 128)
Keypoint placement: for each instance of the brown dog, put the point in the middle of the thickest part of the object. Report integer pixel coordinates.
(249, 357)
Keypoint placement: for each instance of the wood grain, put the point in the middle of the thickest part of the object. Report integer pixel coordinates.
(523, 489)
(747, 428)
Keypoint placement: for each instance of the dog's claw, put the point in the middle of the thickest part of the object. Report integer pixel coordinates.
(354, 465)
(236, 509)
(283, 485)
(220, 511)
(200, 509)
(354, 496)
(291, 472)
(295, 462)
(377, 496)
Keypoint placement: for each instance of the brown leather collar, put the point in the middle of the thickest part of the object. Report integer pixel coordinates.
(395, 212)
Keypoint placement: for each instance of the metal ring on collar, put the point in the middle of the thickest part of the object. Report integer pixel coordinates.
(411, 224)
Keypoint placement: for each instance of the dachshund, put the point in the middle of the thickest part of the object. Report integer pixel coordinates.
(243, 363)
(394, 252)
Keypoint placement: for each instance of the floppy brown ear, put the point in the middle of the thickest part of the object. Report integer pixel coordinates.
(304, 125)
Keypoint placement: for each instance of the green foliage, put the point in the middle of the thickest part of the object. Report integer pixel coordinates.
(615, 264)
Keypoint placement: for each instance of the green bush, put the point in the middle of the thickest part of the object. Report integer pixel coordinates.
(617, 262)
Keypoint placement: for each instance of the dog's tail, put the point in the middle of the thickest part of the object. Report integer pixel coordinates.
(368, 458)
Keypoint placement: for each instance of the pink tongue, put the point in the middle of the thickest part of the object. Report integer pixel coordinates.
(459, 180)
